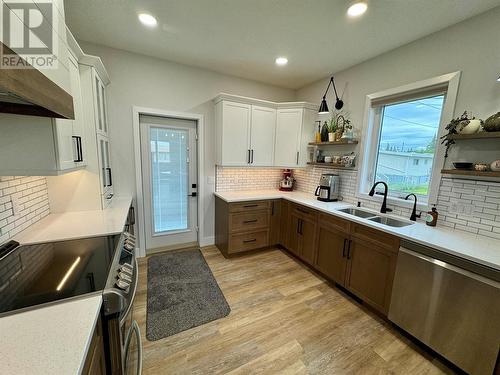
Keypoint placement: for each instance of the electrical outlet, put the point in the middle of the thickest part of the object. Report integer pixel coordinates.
(15, 206)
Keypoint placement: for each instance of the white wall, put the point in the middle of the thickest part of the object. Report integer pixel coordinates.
(472, 47)
(138, 80)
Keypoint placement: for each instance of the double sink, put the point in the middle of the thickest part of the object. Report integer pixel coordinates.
(385, 220)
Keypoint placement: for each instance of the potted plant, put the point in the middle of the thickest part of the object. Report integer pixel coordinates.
(332, 128)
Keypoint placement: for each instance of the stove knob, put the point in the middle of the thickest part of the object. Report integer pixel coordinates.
(122, 284)
(127, 271)
(128, 265)
(128, 246)
(124, 276)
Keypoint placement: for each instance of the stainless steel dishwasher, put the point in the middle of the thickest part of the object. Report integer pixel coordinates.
(450, 304)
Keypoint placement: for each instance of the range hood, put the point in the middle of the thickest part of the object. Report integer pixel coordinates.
(29, 92)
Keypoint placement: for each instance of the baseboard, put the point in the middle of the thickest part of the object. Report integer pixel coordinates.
(207, 241)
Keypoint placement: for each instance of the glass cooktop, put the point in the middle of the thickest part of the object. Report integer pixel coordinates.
(36, 274)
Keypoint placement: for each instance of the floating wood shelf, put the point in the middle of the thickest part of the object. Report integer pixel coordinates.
(341, 142)
(466, 172)
(481, 135)
(330, 165)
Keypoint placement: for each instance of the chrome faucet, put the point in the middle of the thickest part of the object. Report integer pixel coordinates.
(384, 208)
(414, 215)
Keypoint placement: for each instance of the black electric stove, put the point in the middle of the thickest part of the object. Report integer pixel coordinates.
(32, 275)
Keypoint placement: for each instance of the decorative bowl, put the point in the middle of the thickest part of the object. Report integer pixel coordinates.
(463, 165)
(492, 123)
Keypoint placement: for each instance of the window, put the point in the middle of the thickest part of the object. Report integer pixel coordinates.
(403, 130)
(408, 134)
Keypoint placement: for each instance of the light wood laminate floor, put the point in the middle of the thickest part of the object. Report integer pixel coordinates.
(284, 319)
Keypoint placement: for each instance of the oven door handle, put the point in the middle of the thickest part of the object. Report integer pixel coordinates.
(133, 328)
(132, 290)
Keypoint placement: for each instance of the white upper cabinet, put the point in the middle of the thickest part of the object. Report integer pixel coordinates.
(288, 131)
(101, 106)
(262, 136)
(233, 133)
(252, 132)
(70, 134)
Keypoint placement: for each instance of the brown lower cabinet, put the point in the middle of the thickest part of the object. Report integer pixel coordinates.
(95, 363)
(357, 257)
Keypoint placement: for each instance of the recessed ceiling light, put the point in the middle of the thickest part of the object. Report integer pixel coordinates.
(281, 61)
(357, 9)
(148, 20)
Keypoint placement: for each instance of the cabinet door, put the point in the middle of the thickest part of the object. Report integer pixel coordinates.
(293, 234)
(308, 241)
(66, 145)
(100, 105)
(275, 223)
(235, 134)
(78, 122)
(284, 223)
(371, 272)
(288, 131)
(262, 133)
(331, 259)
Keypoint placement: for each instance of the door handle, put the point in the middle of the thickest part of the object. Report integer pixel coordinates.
(349, 250)
(297, 157)
(193, 194)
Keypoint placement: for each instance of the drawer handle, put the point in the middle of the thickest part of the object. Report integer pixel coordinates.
(248, 241)
(250, 205)
(303, 211)
(250, 221)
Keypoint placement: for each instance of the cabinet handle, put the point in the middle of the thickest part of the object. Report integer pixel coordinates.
(297, 157)
(349, 250)
(249, 221)
(298, 226)
(252, 156)
(343, 249)
(250, 205)
(303, 211)
(248, 241)
(248, 157)
(79, 153)
(110, 177)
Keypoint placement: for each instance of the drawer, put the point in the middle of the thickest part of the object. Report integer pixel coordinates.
(245, 221)
(334, 223)
(304, 212)
(248, 241)
(377, 237)
(249, 206)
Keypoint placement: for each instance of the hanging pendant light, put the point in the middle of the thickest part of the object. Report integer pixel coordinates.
(323, 108)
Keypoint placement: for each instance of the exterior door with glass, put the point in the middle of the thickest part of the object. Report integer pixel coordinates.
(169, 168)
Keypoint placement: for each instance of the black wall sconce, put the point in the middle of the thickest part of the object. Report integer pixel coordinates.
(323, 108)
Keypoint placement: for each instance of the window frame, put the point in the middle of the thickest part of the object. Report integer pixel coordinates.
(372, 127)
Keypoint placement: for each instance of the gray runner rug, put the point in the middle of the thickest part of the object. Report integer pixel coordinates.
(182, 294)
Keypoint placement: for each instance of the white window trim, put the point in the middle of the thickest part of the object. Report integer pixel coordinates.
(369, 141)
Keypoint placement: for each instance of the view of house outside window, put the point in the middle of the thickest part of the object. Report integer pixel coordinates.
(407, 144)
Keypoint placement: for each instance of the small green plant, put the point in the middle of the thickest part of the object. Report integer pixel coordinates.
(332, 125)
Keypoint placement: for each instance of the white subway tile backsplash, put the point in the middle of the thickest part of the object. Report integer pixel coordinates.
(483, 197)
(32, 203)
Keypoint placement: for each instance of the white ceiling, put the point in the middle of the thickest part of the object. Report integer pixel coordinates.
(243, 37)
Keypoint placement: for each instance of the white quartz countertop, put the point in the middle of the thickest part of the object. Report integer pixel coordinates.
(78, 224)
(475, 248)
(50, 340)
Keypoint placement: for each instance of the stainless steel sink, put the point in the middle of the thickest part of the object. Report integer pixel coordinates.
(358, 213)
(390, 221)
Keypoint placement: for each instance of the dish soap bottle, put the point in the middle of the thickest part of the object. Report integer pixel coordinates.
(432, 217)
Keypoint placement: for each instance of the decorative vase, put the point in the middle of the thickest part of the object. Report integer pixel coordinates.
(471, 128)
(331, 137)
(324, 132)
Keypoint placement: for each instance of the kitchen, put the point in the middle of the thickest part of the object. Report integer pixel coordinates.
(180, 194)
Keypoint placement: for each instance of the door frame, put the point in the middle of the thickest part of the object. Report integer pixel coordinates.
(137, 112)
